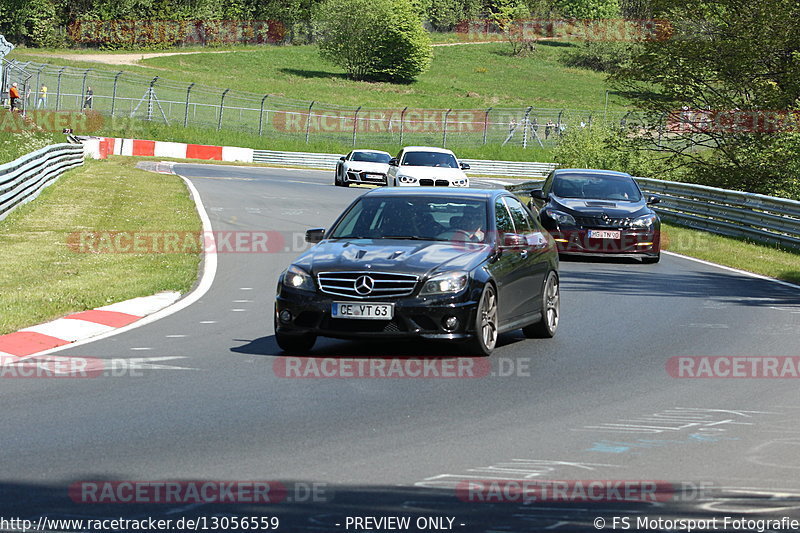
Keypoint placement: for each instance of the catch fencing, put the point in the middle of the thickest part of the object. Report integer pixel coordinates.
(165, 101)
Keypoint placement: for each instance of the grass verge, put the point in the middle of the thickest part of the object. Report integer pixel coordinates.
(41, 278)
(736, 253)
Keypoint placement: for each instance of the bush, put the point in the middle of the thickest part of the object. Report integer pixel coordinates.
(381, 40)
(602, 56)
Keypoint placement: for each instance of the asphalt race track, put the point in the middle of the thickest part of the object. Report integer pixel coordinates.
(207, 401)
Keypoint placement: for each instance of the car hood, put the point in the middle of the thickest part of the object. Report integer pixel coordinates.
(364, 166)
(432, 172)
(589, 207)
(392, 255)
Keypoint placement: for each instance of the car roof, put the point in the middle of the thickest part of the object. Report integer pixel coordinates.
(427, 149)
(371, 151)
(437, 192)
(595, 171)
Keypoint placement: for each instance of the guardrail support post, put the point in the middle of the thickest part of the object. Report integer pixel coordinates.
(261, 116)
(308, 120)
(114, 93)
(58, 89)
(402, 116)
(444, 132)
(486, 124)
(355, 125)
(186, 111)
(150, 99)
(221, 108)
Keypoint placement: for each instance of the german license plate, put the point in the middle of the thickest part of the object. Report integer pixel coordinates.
(603, 234)
(373, 311)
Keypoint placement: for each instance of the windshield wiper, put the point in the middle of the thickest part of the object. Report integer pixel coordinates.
(411, 238)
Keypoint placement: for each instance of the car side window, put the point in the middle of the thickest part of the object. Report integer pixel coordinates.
(548, 183)
(502, 217)
(519, 216)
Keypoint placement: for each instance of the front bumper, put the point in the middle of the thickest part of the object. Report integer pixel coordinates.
(414, 317)
(372, 178)
(631, 242)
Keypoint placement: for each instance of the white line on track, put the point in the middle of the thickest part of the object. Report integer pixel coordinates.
(242, 301)
(208, 321)
(736, 270)
(175, 336)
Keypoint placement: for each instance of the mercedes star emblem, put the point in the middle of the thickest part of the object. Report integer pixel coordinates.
(364, 285)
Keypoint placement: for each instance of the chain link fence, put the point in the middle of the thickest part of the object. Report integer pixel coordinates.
(165, 101)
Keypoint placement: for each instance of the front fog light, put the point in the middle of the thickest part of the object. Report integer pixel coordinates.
(450, 323)
(285, 316)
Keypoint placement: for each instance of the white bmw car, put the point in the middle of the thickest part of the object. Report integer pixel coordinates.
(362, 166)
(425, 166)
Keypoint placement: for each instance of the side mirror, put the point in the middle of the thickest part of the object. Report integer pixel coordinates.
(538, 194)
(513, 240)
(315, 235)
(652, 200)
(342, 158)
(464, 166)
(393, 162)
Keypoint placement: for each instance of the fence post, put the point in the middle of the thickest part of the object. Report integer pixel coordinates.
(486, 124)
(221, 108)
(308, 120)
(444, 133)
(402, 116)
(186, 111)
(83, 89)
(355, 125)
(36, 88)
(58, 89)
(525, 127)
(150, 99)
(261, 116)
(114, 93)
(25, 87)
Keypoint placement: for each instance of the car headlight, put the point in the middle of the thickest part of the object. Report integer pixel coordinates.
(461, 183)
(297, 278)
(449, 283)
(406, 179)
(646, 221)
(561, 217)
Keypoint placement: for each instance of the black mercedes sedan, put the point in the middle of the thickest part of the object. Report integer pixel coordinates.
(457, 265)
(592, 212)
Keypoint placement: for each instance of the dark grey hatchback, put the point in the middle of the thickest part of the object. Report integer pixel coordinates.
(459, 265)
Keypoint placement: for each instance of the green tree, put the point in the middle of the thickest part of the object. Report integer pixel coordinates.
(589, 9)
(729, 58)
(373, 39)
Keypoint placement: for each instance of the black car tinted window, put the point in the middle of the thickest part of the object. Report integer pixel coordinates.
(596, 187)
(520, 217)
(414, 217)
(503, 217)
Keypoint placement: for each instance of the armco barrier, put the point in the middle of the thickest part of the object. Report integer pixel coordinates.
(485, 167)
(23, 179)
(757, 217)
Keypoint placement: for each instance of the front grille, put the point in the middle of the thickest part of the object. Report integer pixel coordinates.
(384, 284)
(426, 182)
(600, 222)
(442, 183)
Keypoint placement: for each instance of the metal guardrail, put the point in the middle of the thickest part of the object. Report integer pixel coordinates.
(756, 217)
(477, 166)
(23, 179)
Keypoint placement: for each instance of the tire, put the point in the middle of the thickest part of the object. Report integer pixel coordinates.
(336, 181)
(486, 326)
(294, 344)
(546, 327)
(651, 259)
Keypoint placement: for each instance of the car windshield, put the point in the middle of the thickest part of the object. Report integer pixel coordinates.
(371, 157)
(596, 187)
(417, 218)
(430, 159)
